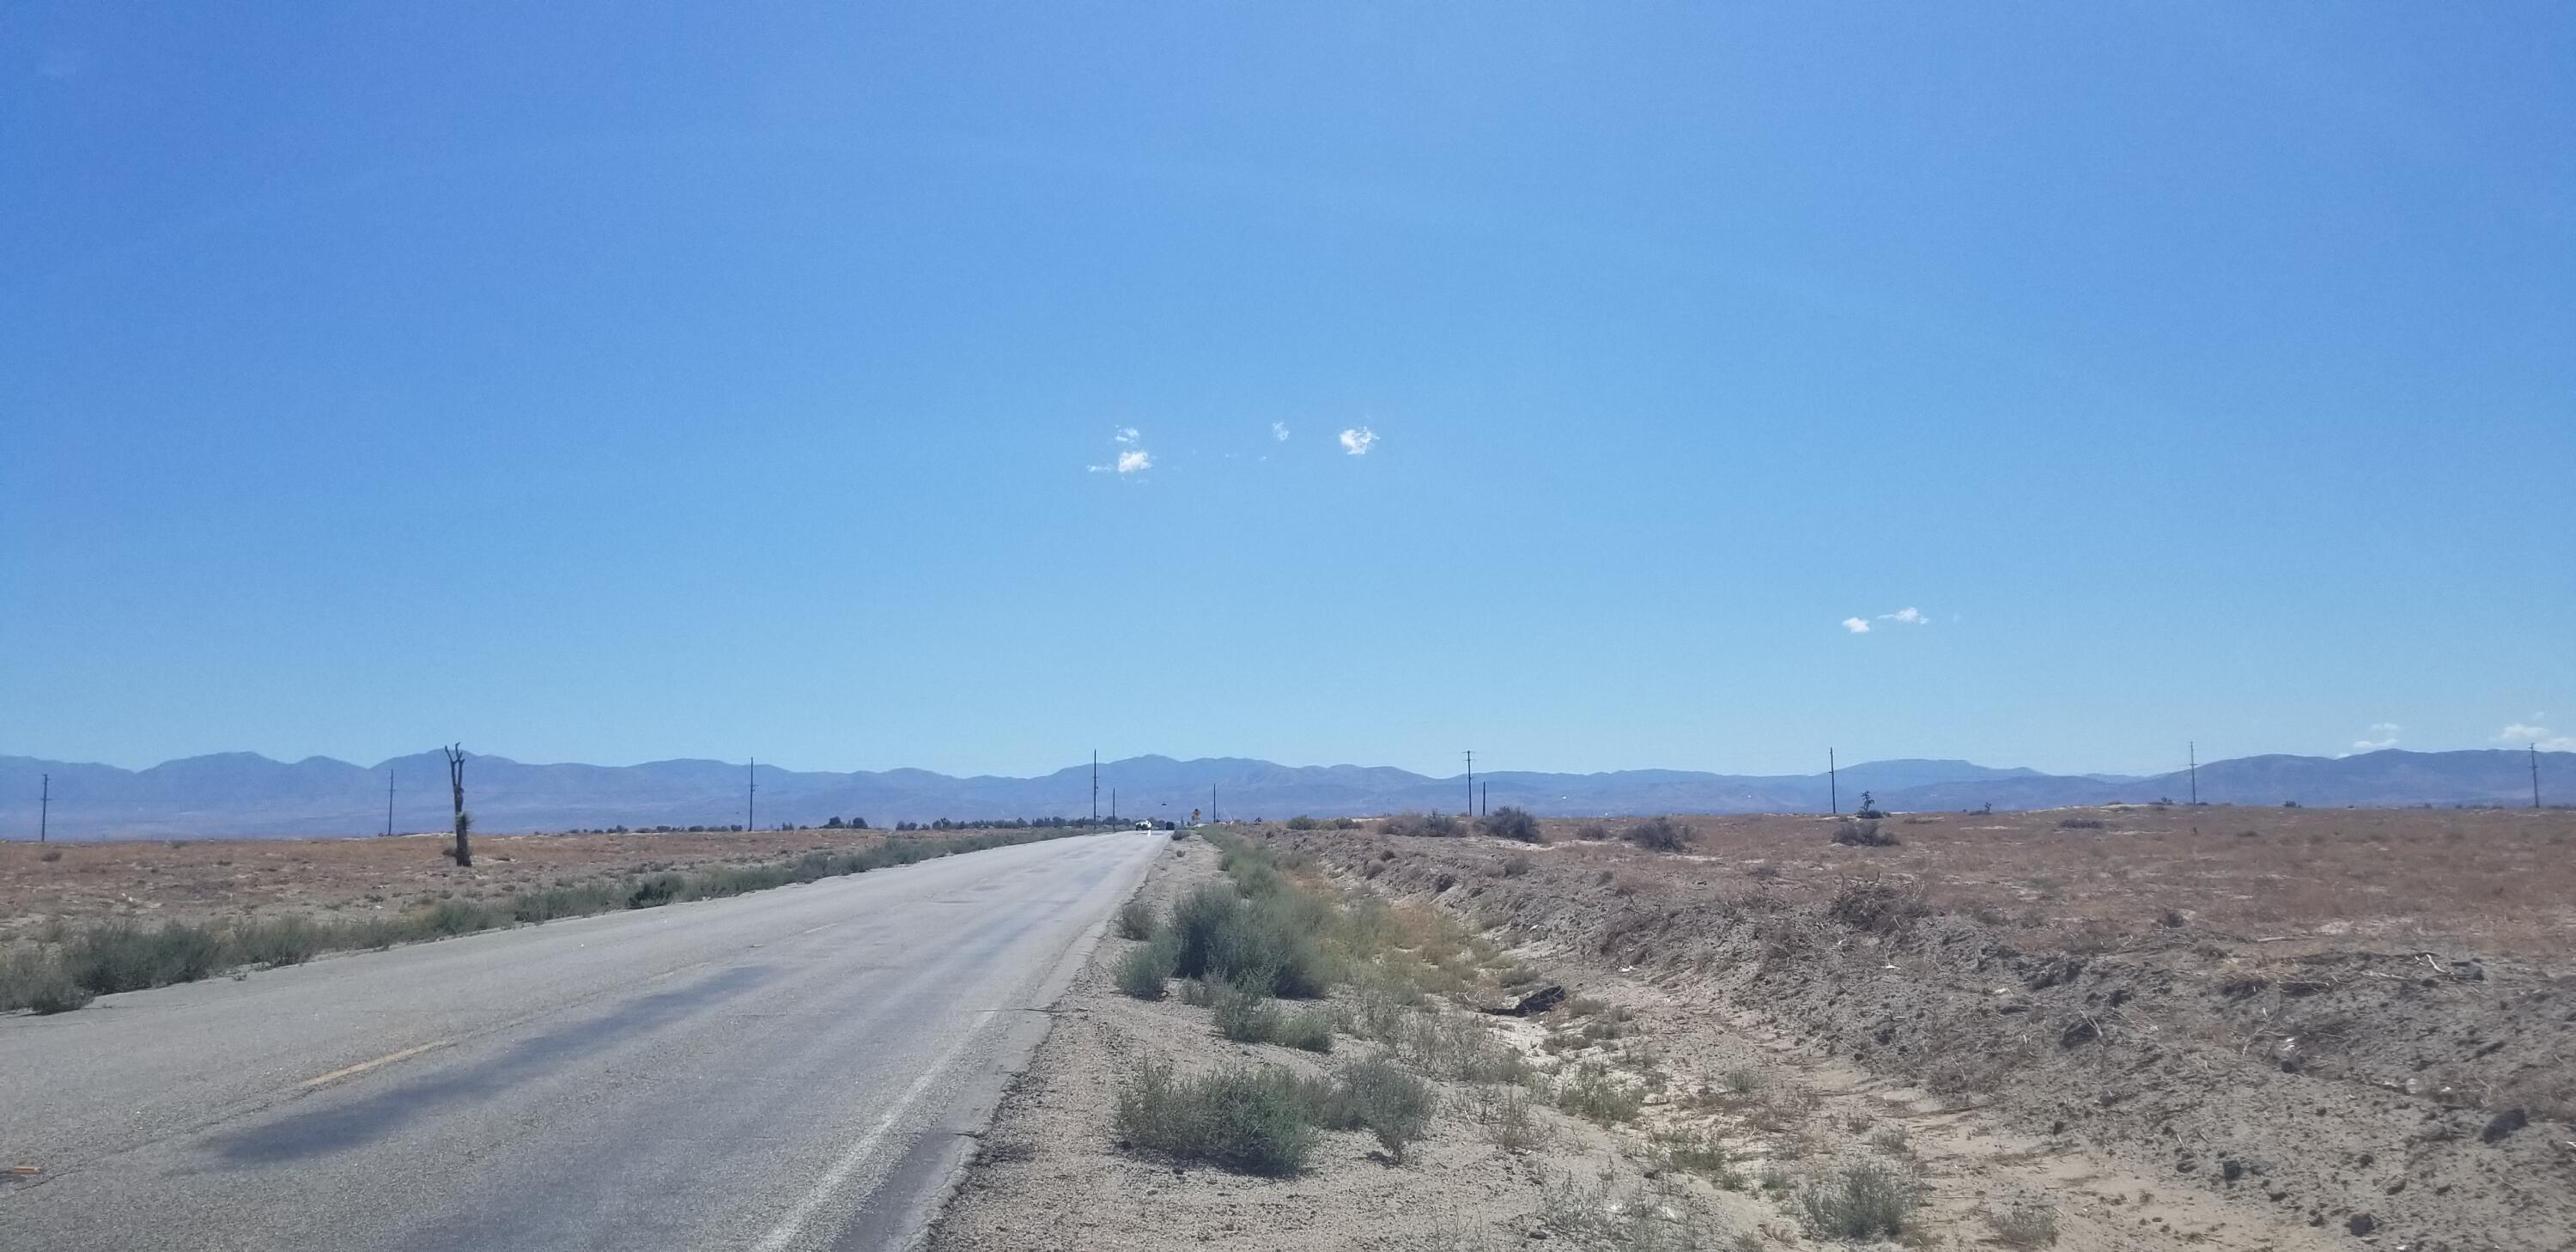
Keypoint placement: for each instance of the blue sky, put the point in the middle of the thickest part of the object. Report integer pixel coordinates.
(613, 383)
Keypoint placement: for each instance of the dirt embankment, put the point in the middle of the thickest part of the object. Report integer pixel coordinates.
(2367, 1092)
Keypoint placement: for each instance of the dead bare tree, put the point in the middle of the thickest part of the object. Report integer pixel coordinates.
(456, 786)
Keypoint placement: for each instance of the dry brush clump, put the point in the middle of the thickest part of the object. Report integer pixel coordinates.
(1660, 834)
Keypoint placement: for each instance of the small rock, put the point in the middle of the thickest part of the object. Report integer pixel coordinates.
(2362, 1223)
(2505, 1123)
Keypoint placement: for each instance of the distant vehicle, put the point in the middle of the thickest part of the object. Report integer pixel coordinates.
(1144, 825)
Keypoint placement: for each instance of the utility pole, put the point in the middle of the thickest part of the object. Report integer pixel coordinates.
(456, 790)
(1211, 804)
(1095, 786)
(751, 797)
(1833, 783)
(1471, 783)
(2535, 775)
(389, 801)
(1113, 804)
(2194, 750)
(45, 809)
(1485, 800)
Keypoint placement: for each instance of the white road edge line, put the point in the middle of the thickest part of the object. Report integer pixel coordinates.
(792, 1226)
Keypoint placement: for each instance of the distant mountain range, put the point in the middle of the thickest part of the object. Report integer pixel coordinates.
(240, 793)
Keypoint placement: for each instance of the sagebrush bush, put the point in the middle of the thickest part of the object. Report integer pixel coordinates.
(1863, 833)
(2081, 823)
(1135, 920)
(1245, 1014)
(121, 956)
(1375, 1096)
(1435, 825)
(1251, 1121)
(2026, 1226)
(1660, 834)
(289, 940)
(1144, 970)
(1308, 1030)
(1596, 1095)
(1865, 1200)
(39, 981)
(1510, 823)
(1593, 831)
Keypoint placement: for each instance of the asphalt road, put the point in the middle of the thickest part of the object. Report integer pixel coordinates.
(796, 1068)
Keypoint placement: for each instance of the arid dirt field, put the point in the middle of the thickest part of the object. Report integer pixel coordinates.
(2346, 1029)
(216, 879)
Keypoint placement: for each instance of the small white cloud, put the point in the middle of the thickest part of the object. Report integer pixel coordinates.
(1358, 440)
(1908, 616)
(1279, 431)
(2384, 735)
(2534, 733)
(1131, 459)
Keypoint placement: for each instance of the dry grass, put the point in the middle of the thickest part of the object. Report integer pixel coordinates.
(2385, 879)
(222, 880)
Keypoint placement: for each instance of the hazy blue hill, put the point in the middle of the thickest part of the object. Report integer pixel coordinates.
(239, 793)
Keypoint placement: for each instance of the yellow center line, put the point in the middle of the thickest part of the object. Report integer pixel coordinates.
(363, 1066)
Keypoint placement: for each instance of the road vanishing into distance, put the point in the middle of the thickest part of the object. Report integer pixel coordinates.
(792, 1069)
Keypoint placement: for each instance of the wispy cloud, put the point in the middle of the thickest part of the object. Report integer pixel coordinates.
(2536, 732)
(1124, 435)
(1907, 616)
(2382, 735)
(1131, 462)
(1279, 431)
(1358, 440)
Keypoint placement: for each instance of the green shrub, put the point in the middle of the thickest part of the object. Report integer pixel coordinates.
(1246, 1120)
(1310, 1030)
(1244, 1014)
(1434, 825)
(1375, 1096)
(1510, 823)
(278, 941)
(457, 917)
(121, 956)
(39, 981)
(1593, 831)
(1135, 920)
(1197, 920)
(2026, 1226)
(1866, 1200)
(1143, 971)
(1595, 1095)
